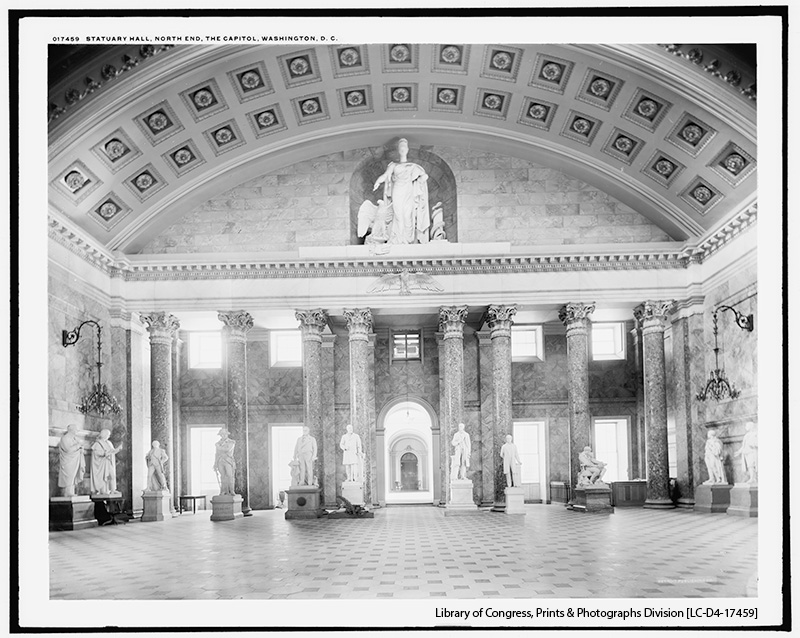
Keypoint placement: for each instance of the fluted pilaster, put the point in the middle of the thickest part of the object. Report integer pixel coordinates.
(500, 318)
(652, 315)
(236, 324)
(162, 327)
(575, 317)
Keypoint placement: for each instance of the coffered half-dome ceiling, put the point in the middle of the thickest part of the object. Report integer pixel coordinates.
(141, 135)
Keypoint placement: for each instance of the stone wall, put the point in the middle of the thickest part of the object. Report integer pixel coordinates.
(499, 198)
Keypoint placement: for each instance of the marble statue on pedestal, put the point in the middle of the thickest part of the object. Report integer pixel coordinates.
(104, 465)
(353, 454)
(305, 453)
(713, 459)
(71, 461)
(461, 453)
(405, 195)
(511, 462)
(224, 463)
(156, 460)
(749, 452)
(592, 470)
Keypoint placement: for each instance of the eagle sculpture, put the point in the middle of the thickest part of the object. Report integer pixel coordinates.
(405, 281)
(374, 218)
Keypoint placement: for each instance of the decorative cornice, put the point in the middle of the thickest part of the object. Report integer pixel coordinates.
(722, 70)
(236, 320)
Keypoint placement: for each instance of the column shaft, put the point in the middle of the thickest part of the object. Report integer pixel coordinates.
(178, 442)
(651, 314)
(575, 316)
(330, 445)
(487, 417)
(638, 460)
(237, 323)
(500, 319)
(359, 324)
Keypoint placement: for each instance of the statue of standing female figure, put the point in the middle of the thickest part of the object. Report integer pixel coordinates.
(749, 452)
(405, 191)
(224, 463)
(104, 465)
(71, 462)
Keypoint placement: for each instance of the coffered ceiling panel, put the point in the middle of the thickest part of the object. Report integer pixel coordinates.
(164, 128)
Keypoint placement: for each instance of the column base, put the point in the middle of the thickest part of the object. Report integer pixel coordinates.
(595, 499)
(71, 512)
(744, 500)
(712, 499)
(303, 502)
(659, 504)
(226, 507)
(685, 503)
(461, 500)
(515, 500)
(353, 491)
(156, 505)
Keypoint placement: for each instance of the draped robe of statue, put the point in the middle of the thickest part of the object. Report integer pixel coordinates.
(71, 462)
(406, 190)
(225, 464)
(104, 467)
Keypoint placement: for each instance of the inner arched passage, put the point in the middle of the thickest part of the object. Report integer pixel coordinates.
(408, 454)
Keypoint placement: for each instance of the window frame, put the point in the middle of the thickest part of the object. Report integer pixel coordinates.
(621, 353)
(405, 331)
(194, 351)
(274, 362)
(538, 331)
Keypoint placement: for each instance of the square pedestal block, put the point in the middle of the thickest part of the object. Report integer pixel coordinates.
(712, 499)
(71, 512)
(303, 502)
(744, 500)
(156, 506)
(353, 491)
(515, 500)
(226, 507)
(461, 500)
(594, 499)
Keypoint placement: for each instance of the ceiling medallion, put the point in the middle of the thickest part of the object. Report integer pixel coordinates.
(552, 72)
(400, 53)
(108, 209)
(493, 102)
(401, 94)
(299, 66)
(224, 135)
(203, 98)
(115, 149)
(158, 121)
(144, 181)
(355, 98)
(664, 167)
(702, 194)
(502, 61)
(446, 96)
(310, 107)
(600, 88)
(250, 80)
(692, 133)
(183, 156)
(624, 144)
(266, 119)
(581, 126)
(538, 111)
(75, 180)
(451, 55)
(647, 108)
(734, 163)
(349, 57)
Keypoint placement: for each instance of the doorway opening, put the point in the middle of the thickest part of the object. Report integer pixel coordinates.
(202, 450)
(283, 439)
(408, 458)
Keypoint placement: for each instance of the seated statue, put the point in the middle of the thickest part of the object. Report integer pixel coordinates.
(592, 470)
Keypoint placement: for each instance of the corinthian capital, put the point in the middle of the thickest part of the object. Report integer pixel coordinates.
(312, 322)
(160, 324)
(239, 320)
(573, 312)
(359, 322)
(500, 318)
(451, 320)
(651, 314)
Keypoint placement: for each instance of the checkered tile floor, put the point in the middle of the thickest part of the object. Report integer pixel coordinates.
(414, 552)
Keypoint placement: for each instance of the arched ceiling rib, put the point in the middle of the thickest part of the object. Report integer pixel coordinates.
(192, 122)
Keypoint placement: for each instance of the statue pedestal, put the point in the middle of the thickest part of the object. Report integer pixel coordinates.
(71, 512)
(744, 500)
(303, 502)
(226, 507)
(156, 505)
(592, 498)
(712, 499)
(353, 491)
(515, 500)
(461, 500)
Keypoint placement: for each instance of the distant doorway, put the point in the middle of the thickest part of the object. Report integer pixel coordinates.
(408, 458)
(409, 472)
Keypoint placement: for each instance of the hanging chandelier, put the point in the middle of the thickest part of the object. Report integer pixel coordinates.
(99, 400)
(718, 387)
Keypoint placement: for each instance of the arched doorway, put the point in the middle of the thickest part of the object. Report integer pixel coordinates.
(407, 472)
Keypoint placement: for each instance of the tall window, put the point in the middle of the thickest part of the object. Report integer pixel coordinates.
(205, 349)
(527, 343)
(611, 447)
(608, 341)
(285, 349)
(407, 346)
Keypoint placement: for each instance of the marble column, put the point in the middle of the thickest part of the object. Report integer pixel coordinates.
(178, 442)
(575, 316)
(359, 325)
(651, 315)
(237, 323)
(451, 321)
(499, 319)
(637, 427)
(312, 323)
(330, 444)
(162, 327)
(487, 417)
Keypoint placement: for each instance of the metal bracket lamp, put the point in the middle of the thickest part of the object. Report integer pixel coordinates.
(718, 387)
(99, 401)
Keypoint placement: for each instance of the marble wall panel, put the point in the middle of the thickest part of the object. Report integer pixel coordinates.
(260, 463)
(341, 369)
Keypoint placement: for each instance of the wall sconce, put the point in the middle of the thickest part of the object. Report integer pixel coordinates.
(99, 401)
(718, 387)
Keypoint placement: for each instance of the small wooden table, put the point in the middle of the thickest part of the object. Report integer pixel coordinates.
(193, 498)
(108, 509)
